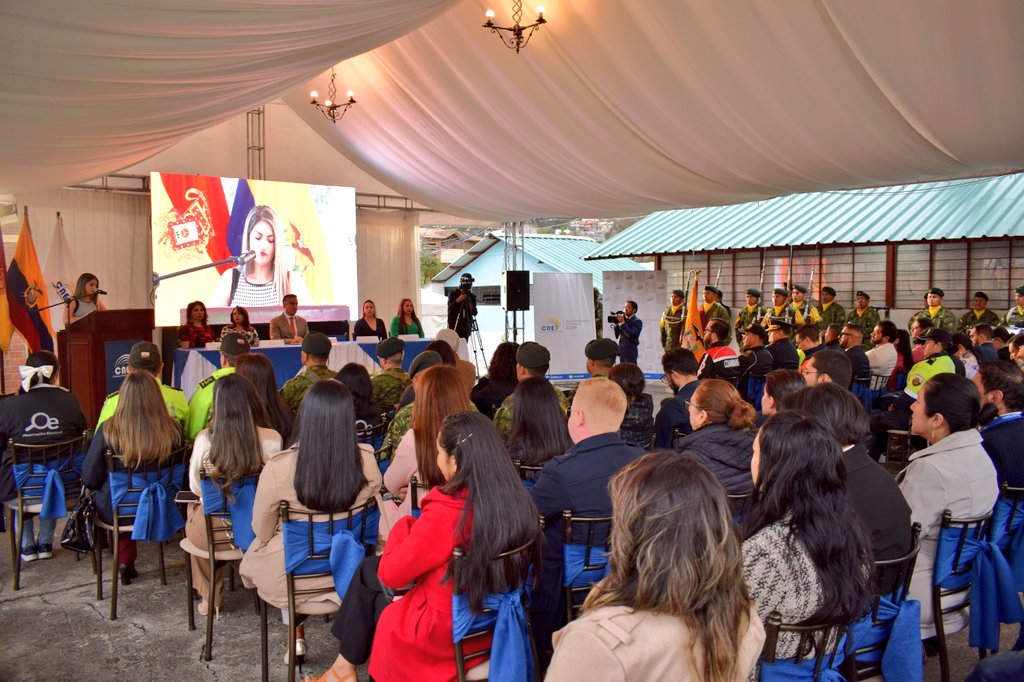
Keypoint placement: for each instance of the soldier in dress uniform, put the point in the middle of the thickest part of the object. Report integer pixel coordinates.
(778, 310)
(316, 349)
(829, 310)
(390, 384)
(942, 318)
(979, 314)
(864, 316)
(672, 320)
(749, 314)
(1014, 317)
(713, 309)
(783, 352)
(800, 311)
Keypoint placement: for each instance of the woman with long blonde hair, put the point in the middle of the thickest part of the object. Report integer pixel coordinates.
(676, 585)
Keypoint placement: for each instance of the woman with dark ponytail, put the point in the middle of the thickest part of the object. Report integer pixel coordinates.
(723, 433)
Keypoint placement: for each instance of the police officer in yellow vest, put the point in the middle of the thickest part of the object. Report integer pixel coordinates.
(199, 407)
(145, 357)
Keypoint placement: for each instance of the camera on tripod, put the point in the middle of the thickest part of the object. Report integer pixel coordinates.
(466, 282)
(614, 317)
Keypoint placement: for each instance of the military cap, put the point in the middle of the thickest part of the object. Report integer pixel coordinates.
(232, 344)
(424, 360)
(1020, 290)
(937, 291)
(799, 287)
(600, 349)
(775, 325)
(533, 355)
(981, 294)
(780, 291)
(713, 289)
(758, 331)
(316, 343)
(828, 290)
(935, 334)
(144, 355)
(864, 294)
(754, 292)
(682, 294)
(389, 347)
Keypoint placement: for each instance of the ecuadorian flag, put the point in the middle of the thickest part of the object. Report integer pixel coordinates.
(26, 293)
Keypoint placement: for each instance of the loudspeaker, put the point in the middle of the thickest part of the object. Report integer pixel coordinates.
(517, 290)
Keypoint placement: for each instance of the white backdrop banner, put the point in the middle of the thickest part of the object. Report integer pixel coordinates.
(563, 319)
(649, 291)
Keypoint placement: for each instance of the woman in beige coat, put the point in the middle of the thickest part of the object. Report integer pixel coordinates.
(675, 606)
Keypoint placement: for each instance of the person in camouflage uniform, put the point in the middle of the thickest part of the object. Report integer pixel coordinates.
(713, 309)
(1014, 317)
(749, 314)
(201, 405)
(601, 354)
(532, 360)
(980, 314)
(829, 310)
(390, 384)
(940, 317)
(672, 320)
(797, 308)
(778, 309)
(316, 349)
(864, 316)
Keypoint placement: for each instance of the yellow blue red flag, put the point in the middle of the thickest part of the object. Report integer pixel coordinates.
(26, 292)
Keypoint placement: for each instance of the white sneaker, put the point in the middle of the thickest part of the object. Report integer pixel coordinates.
(29, 553)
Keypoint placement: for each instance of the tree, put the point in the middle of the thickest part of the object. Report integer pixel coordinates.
(429, 266)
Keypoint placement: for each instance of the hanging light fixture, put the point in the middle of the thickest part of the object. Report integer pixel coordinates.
(330, 107)
(517, 36)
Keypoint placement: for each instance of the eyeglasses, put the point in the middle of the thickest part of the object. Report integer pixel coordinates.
(809, 371)
(690, 404)
(665, 380)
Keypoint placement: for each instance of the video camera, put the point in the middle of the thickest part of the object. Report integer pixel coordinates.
(466, 282)
(614, 317)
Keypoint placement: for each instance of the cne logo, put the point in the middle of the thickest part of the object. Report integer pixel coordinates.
(550, 324)
(121, 366)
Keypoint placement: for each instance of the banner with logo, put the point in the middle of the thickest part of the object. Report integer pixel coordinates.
(563, 320)
(116, 354)
(649, 290)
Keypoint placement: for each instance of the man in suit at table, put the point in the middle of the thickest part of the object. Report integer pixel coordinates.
(288, 326)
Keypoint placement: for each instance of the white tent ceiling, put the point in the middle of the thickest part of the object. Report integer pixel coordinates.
(615, 108)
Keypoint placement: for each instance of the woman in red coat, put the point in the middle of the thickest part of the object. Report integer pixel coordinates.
(482, 507)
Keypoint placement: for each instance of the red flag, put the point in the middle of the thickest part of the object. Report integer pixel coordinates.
(201, 198)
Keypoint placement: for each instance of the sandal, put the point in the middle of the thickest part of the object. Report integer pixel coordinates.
(330, 676)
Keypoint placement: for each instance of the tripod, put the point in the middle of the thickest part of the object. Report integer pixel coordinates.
(474, 340)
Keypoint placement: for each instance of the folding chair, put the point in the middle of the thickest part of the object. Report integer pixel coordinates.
(527, 473)
(1004, 529)
(414, 492)
(755, 390)
(740, 504)
(819, 655)
(584, 557)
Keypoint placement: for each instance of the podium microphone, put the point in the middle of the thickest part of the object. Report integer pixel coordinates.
(101, 292)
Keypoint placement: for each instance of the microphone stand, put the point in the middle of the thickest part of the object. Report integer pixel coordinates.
(240, 260)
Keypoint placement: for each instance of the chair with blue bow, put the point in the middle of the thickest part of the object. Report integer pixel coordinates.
(317, 547)
(1007, 519)
(527, 474)
(228, 524)
(416, 490)
(972, 571)
(886, 640)
(371, 434)
(49, 480)
(755, 390)
(879, 385)
(143, 504)
(862, 390)
(584, 557)
(819, 657)
(505, 619)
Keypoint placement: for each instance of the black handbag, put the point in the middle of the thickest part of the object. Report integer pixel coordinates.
(78, 532)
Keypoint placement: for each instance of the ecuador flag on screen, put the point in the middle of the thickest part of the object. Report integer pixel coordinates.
(26, 293)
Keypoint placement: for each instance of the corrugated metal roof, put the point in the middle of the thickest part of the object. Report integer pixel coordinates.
(956, 209)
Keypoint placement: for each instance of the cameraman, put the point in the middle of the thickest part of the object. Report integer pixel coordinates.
(462, 307)
(627, 329)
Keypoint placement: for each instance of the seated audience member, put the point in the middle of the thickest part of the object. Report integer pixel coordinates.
(232, 346)
(1001, 385)
(1001, 338)
(467, 370)
(240, 325)
(1013, 350)
(883, 357)
(783, 352)
(917, 330)
(325, 471)
(675, 605)
(600, 354)
(402, 421)
(777, 385)
(872, 490)
(196, 331)
(532, 360)
(357, 380)
(828, 365)
(258, 369)
(805, 552)
(720, 360)
(480, 506)
(954, 472)
(723, 435)
(316, 350)
(577, 481)
(491, 390)
(369, 324)
(234, 446)
(538, 430)
(904, 361)
(851, 342)
(981, 338)
(288, 326)
(440, 394)
(42, 394)
(680, 367)
(962, 348)
(808, 341)
(755, 362)
(390, 384)
(638, 424)
(831, 336)
(140, 432)
(144, 356)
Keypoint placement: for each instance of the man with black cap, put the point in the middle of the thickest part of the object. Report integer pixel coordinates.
(783, 353)
(801, 311)
(940, 317)
(601, 354)
(864, 316)
(627, 330)
(672, 320)
(316, 349)
(402, 421)
(828, 309)
(778, 310)
(1014, 317)
(712, 309)
(979, 314)
(532, 360)
(391, 382)
(720, 361)
(462, 307)
(200, 406)
(749, 314)
(145, 357)
(756, 360)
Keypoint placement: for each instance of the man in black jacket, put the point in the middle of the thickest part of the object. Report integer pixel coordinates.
(680, 367)
(627, 330)
(755, 363)
(783, 353)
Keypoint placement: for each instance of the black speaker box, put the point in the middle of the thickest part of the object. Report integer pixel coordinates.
(517, 290)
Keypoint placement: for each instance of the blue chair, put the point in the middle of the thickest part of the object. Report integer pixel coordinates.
(142, 500)
(505, 618)
(820, 655)
(228, 524)
(318, 546)
(885, 641)
(740, 505)
(864, 394)
(1007, 518)
(49, 480)
(371, 434)
(585, 551)
(527, 474)
(755, 391)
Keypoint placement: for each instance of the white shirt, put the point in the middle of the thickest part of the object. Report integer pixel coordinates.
(270, 441)
(882, 359)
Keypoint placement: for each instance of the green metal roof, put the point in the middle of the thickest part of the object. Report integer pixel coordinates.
(955, 209)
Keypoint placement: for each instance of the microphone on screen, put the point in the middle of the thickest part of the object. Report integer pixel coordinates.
(246, 258)
(101, 292)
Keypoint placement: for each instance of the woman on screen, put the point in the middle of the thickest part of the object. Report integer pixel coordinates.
(406, 322)
(369, 324)
(85, 300)
(268, 276)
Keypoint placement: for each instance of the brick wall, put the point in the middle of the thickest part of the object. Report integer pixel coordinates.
(16, 353)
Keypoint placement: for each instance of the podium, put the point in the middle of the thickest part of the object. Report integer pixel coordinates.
(82, 349)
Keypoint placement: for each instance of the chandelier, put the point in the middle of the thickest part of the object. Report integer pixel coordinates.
(330, 107)
(517, 36)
